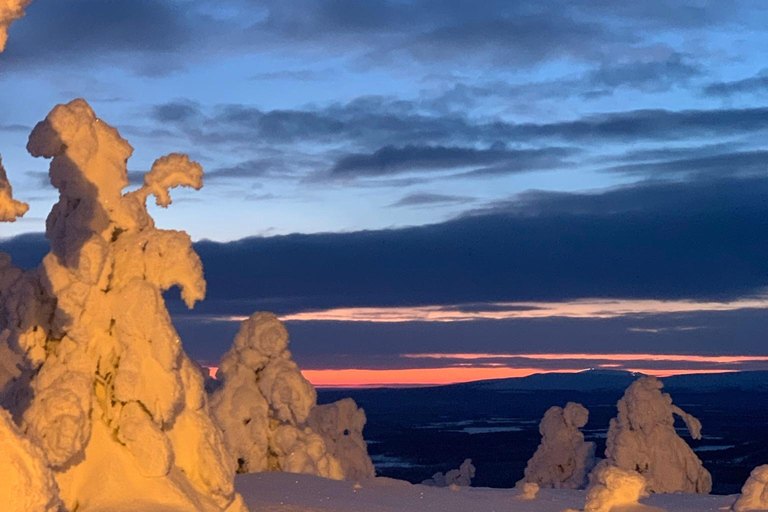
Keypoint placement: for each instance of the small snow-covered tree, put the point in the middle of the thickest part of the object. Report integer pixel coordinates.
(26, 482)
(263, 404)
(340, 424)
(461, 477)
(642, 438)
(754, 494)
(564, 458)
(100, 382)
(613, 489)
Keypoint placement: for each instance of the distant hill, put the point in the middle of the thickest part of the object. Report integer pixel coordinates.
(599, 380)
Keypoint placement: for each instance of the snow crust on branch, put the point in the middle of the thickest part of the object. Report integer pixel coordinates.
(563, 459)
(100, 381)
(10, 208)
(461, 477)
(27, 484)
(643, 438)
(264, 402)
(10, 11)
(754, 494)
(341, 424)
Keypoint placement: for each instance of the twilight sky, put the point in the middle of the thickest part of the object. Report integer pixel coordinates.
(435, 176)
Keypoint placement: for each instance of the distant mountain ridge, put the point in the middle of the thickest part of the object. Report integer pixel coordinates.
(599, 380)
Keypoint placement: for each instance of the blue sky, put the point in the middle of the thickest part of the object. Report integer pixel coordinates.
(606, 149)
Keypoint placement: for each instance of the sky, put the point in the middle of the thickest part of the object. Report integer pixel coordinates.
(399, 178)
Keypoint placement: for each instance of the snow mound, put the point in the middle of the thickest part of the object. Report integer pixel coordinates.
(642, 438)
(101, 382)
(27, 482)
(754, 494)
(264, 402)
(10, 11)
(341, 424)
(563, 459)
(461, 477)
(616, 490)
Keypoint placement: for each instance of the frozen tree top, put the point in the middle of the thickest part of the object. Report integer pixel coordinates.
(10, 208)
(10, 11)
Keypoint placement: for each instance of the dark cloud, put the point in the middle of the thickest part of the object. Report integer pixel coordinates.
(667, 152)
(384, 342)
(752, 85)
(398, 134)
(655, 240)
(83, 32)
(180, 111)
(724, 164)
(426, 199)
(655, 75)
(302, 75)
(391, 160)
(155, 37)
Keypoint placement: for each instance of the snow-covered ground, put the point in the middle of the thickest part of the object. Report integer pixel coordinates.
(285, 492)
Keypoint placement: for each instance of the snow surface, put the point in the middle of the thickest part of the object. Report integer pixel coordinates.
(563, 459)
(10, 11)
(642, 438)
(283, 492)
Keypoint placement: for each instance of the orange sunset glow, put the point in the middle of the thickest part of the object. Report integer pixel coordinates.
(468, 370)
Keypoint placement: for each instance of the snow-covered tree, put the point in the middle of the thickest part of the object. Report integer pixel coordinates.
(10, 11)
(340, 424)
(642, 438)
(461, 477)
(26, 482)
(263, 404)
(754, 494)
(564, 458)
(101, 383)
(528, 490)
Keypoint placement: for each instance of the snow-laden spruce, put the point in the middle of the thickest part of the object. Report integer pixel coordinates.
(100, 381)
(10, 11)
(341, 424)
(461, 477)
(563, 459)
(754, 494)
(26, 482)
(264, 403)
(643, 438)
